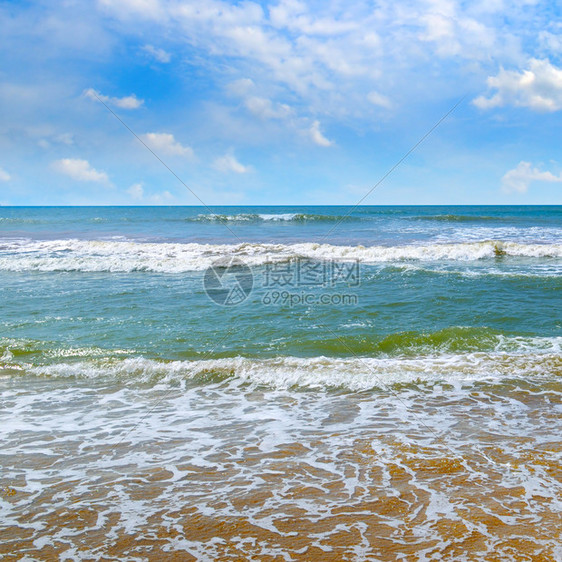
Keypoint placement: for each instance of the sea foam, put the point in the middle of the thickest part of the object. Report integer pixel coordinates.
(527, 358)
(128, 256)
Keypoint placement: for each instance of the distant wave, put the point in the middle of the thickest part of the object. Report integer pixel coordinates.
(460, 218)
(264, 217)
(20, 220)
(125, 256)
(50, 220)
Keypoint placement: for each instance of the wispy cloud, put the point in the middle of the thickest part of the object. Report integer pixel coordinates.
(345, 51)
(163, 198)
(79, 170)
(136, 191)
(63, 138)
(377, 98)
(294, 15)
(127, 102)
(147, 9)
(228, 163)
(265, 109)
(538, 88)
(158, 54)
(4, 176)
(519, 179)
(276, 83)
(165, 143)
(317, 136)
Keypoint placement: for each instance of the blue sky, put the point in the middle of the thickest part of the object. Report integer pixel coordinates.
(282, 102)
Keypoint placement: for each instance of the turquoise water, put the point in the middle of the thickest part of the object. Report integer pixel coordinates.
(439, 326)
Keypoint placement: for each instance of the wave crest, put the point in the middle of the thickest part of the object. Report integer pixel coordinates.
(263, 217)
(452, 356)
(460, 218)
(353, 374)
(125, 257)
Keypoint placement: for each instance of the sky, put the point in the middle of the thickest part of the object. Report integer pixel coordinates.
(109, 102)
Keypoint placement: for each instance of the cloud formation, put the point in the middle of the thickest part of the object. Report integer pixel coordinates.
(4, 176)
(79, 170)
(519, 179)
(228, 163)
(165, 143)
(158, 54)
(136, 191)
(312, 47)
(538, 88)
(127, 102)
(273, 82)
(378, 99)
(265, 109)
(317, 136)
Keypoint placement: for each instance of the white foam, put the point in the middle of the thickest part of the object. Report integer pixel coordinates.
(278, 217)
(319, 373)
(325, 463)
(127, 256)
(247, 217)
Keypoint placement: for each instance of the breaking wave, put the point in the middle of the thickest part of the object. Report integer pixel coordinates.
(263, 217)
(126, 256)
(494, 359)
(353, 374)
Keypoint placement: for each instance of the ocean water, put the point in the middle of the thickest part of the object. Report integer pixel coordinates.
(281, 383)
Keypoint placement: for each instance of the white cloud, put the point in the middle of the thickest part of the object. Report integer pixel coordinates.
(162, 198)
(159, 54)
(136, 191)
(127, 102)
(63, 138)
(317, 136)
(329, 55)
(150, 9)
(228, 163)
(4, 176)
(378, 99)
(550, 41)
(519, 179)
(165, 143)
(538, 88)
(241, 87)
(79, 170)
(265, 109)
(292, 14)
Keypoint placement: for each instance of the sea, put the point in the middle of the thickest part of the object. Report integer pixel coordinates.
(281, 383)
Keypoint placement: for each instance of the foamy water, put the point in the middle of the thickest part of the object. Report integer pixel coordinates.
(219, 472)
(124, 256)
